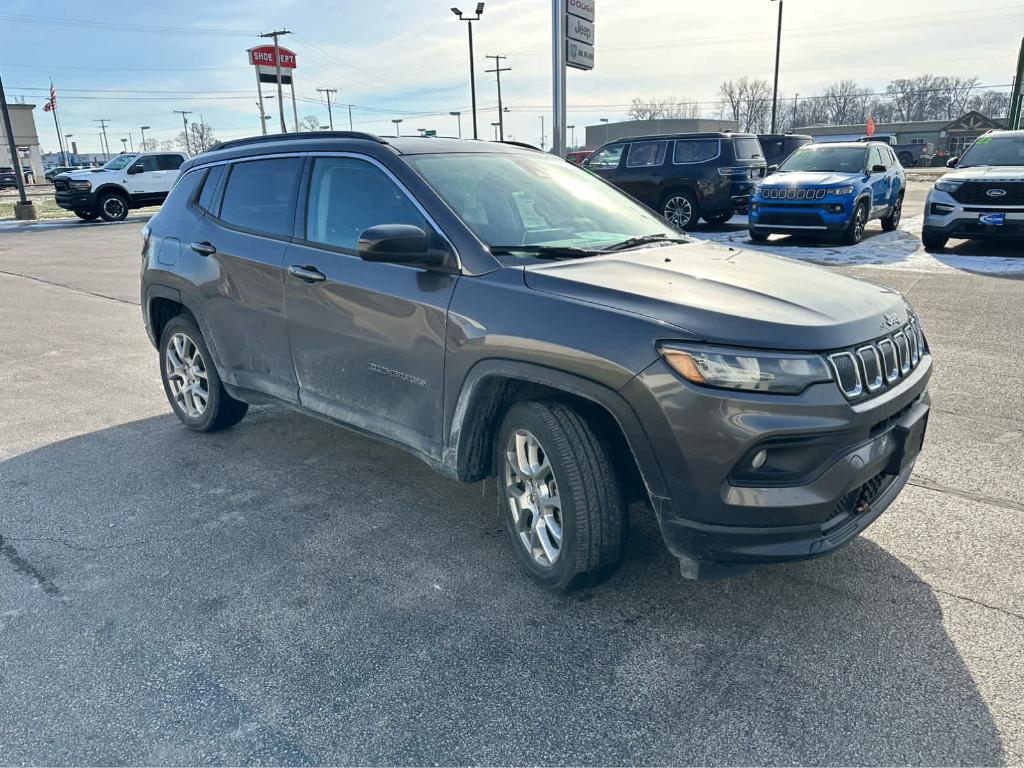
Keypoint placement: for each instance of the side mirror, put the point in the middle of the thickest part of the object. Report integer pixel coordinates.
(951, 163)
(771, 169)
(403, 244)
(137, 168)
(878, 169)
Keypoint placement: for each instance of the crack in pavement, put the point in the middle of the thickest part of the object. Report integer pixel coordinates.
(919, 481)
(25, 568)
(70, 288)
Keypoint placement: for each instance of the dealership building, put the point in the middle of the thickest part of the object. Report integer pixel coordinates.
(948, 136)
(25, 138)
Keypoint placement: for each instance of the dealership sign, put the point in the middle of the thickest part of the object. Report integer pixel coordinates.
(579, 34)
(262, 57)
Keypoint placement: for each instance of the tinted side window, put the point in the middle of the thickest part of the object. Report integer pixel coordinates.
(876, 158)
(347, 196)
(644, 154)
(695, 151)
(608, 157)
(148, 163)
(210, 187)
(184, 190)
(169, 162)
(260, 195)
(747, 148)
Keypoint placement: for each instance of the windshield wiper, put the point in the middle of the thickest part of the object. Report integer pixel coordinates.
(634, 242)
(545, 251)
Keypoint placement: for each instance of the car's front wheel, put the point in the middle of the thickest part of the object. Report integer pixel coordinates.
(87, 215)
(890, 222)
(680, 208)
(758, 236)
(854, 231)
(564, 509)
(718, 218)
(191, 382)
(112, 206)
(933, 242)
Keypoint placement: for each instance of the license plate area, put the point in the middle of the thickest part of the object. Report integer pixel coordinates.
(992, 219)
(909, 435)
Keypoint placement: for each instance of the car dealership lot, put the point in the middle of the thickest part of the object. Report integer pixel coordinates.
(289, 592)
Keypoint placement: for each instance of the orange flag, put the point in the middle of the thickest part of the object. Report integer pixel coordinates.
(871, 126)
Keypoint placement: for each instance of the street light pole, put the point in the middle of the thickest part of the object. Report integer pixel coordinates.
(472, 71)
(541, 131)
(459, 116)
(572, 135)
(398, 126)
(778, 48)
(143, 128)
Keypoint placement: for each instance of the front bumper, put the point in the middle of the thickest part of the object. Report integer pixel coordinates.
(75, 200)
(947, 217)
(829, 216)
(702, 435)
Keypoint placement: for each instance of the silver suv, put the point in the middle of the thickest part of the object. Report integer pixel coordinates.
(983, 198)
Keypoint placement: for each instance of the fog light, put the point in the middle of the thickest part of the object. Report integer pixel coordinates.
(836, 208)
(759, 459)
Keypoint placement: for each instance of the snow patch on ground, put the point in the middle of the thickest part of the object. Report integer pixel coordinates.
(901, 249)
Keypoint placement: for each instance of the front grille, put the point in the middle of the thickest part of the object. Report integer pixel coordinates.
(872, 367)
(791, 193)
(779, 218)
(987, 193)
(60, 185)
(859, 500)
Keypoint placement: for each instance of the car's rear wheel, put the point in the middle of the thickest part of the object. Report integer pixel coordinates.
(564, 509)
(890, 222)
(680, 208)
(933, 242)
(854, 231)
(191, 382)
(87, 215)
(758, 236)
(112, 206)
(719, 217)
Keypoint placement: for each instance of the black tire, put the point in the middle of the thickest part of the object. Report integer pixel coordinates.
(854, 231)
(87, 215)
(890, 222)
(592, 512)
(757, 236)
(719, 217)
(112, 206)
(675, 205)
(221, 410)
(933, 242)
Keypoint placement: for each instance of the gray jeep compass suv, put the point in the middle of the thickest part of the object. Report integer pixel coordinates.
(501, 313)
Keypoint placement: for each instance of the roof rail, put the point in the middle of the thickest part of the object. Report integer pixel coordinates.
(522, 144)
(298, 135)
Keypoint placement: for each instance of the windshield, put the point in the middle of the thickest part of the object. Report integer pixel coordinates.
(994, 150)
(119, 162)
(821, 158)
(535, 200)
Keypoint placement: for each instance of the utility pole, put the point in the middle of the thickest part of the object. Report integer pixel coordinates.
(778, 48)
(184, 121)
(559, 23)
(277, 64)
(327, 92)
(498, 69)
(350, 117)
(103, 128)
(472, 73)
(541, 131)
(24, 209)
(143, 128)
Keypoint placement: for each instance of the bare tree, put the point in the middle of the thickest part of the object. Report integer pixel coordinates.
(671, 108)
(747, 102)
(959, 95)
(310, 123)
(200, 138)
(845, 102)
(991, 103)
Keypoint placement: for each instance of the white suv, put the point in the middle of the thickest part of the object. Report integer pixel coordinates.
(131, 180)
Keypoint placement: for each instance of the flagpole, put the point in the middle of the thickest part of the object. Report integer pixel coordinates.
(56, 125)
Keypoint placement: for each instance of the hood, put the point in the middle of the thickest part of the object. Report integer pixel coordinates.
(987, 173)
(728, 296)
(85, 173)
(809, 178)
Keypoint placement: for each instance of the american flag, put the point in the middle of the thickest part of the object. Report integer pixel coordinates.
(51, 105)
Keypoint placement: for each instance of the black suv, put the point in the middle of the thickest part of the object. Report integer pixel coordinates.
(499, 312)
(684, 176)
(778, 146)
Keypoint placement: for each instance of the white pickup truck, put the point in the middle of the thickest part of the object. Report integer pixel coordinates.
(131, 180)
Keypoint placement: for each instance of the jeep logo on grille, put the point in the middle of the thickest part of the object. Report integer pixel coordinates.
(996, 192)
(892, 319)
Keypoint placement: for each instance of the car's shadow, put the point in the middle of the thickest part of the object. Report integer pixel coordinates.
(289, 592)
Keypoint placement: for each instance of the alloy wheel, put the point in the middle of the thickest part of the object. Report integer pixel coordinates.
(678, 210)
(533, 498)
(114, 207)
(187, 376)
(859, 221)
(897, 212)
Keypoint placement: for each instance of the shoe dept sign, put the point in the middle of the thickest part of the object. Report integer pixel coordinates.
(262, 57)
(579, 34)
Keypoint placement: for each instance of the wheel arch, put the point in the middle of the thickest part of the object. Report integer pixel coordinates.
(493, 386)
(111, 186)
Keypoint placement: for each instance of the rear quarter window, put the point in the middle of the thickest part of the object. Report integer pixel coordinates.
(185, 190)
(695, 151)
(644, 154)
(206, 197)
(747, 148)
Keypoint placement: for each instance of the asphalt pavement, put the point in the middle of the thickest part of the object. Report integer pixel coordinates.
(288, 592)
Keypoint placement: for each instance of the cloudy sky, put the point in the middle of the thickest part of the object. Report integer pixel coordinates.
(135, 62)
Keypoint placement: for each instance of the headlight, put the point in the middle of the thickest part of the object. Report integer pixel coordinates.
(841, 191)
(778, 372)
(82, 185)
(733, 171)
(948, 186)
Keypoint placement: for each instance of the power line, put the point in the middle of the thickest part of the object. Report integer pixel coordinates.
(22, 18)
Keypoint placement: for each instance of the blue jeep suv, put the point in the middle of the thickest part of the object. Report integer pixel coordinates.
(830, 189)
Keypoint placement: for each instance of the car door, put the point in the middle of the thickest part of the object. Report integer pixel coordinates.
(607, 161)
(367, 338)
(878, 181)
(642, 173)
(143, 179)
(237, 253)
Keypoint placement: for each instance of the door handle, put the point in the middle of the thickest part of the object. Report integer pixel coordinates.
(309, 274)
(203, 249)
